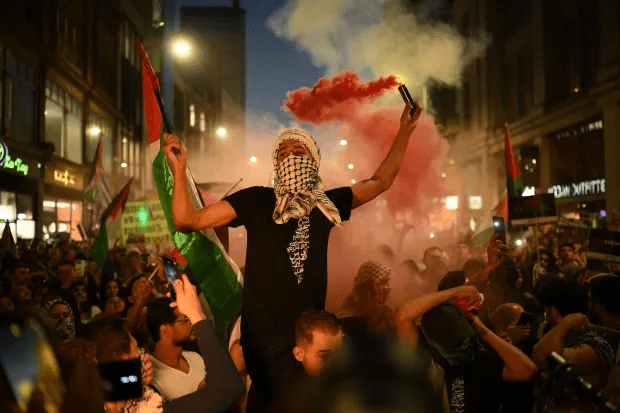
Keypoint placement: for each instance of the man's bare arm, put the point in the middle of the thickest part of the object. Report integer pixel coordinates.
(383, 178)
(186, 217)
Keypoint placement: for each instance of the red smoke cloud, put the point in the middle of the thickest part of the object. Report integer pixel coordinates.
(336, 99)
(371, 131)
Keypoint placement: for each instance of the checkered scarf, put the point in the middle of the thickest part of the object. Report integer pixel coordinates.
(297, 183)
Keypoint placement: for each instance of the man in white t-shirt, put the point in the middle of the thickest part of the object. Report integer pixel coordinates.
(177, 372)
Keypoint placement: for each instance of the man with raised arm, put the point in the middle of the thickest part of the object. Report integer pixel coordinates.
(288, 229)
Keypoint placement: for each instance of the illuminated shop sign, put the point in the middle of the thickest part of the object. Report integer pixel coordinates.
(4, 152)
(64, 177)
(15, 164)
(593, 187)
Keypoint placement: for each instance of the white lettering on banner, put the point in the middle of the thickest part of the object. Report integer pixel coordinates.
(593, 187)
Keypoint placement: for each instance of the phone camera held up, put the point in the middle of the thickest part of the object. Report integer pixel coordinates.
(172, 273)
(499, 228)
(122, 380)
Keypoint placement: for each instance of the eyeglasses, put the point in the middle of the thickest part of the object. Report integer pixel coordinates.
(183, 320)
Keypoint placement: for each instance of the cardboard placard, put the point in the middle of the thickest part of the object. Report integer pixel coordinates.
(532, 210)
(604, 245)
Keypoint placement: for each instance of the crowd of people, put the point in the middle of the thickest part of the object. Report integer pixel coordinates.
(473, 338)
(498, 329)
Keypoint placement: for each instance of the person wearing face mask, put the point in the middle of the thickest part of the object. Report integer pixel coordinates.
(288, 230)
(62, 317)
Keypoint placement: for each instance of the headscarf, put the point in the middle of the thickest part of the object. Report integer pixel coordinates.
(65, 328)
(297, 186)
(372, 270)
(297, 183)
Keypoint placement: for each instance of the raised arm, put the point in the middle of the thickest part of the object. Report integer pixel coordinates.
(517, 365)
(383, 178)
(223, 386)
(415, 308)
(186, 217)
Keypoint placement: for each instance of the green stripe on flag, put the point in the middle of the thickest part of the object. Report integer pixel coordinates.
(213, 273)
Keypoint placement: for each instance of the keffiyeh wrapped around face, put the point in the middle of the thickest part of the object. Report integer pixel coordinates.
(297, 184)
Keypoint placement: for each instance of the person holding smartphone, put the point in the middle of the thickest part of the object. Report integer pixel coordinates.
(288, 230)
(114, 342)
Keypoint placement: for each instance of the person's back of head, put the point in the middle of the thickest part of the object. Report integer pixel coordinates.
(505, 315)
(159, 313)
(452, 279)
(473, 266)
(566, 297)
(111, 337)
(606, 291)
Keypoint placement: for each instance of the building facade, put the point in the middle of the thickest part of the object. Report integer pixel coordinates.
(552, 73)
(70, 74)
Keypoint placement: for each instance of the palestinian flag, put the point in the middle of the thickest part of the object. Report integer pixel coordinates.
(100, 246)
(514, 184)
(7, 243)
(218, 277)
(97, 185)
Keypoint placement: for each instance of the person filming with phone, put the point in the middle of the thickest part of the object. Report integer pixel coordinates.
(114, 342)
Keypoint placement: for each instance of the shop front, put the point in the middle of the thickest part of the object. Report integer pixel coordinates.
(63, 202)
(19, 192)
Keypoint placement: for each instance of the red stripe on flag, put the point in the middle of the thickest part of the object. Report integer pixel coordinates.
(176, 254)
(121, 201)
(151, 107)
(511, 165)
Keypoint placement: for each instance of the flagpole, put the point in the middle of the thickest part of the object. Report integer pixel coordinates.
(231, 189)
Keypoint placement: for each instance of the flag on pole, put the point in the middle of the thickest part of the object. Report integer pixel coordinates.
(97, 186)
(218, 277)
(100, 246)
(7, 243)
(514, 183)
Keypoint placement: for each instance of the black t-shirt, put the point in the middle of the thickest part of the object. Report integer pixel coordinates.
(272, 299)
(476, 386)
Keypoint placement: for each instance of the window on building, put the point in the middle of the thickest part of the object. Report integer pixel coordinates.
(203, 122)
(69, 32)
(516, 13)
(525, 81)
(60, 215)
(192, 115)
(63, 123)
(21, 99)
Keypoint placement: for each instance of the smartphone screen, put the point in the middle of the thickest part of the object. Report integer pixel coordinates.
(121, 380)
(80, 267)
(172, 273)
(499, 228)
(29, 363)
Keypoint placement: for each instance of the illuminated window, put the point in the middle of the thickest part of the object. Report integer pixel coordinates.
(474, 202)
(192, 115)
(452, 203)
(203, 122)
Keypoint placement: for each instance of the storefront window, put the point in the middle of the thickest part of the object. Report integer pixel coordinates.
(7, 206)
(74, 131)
(16, 209)
(61, 215)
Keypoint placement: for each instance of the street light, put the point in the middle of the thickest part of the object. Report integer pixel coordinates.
(94, 130)
(253, 159)
(351, 166)
(221, 132)
(181, 48)
(343, 142)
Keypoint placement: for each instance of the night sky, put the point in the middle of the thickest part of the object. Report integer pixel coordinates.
(274, 66)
